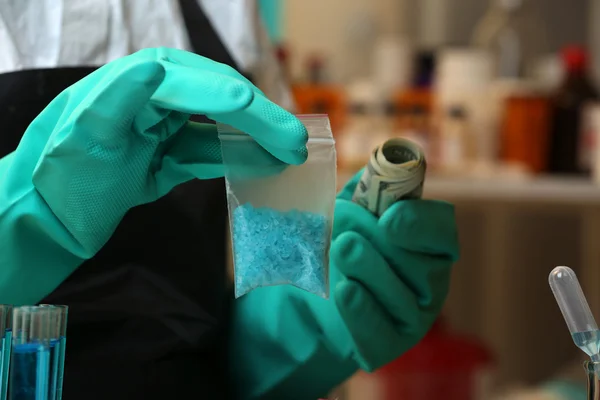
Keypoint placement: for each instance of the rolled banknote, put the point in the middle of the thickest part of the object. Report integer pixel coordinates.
(396, 171)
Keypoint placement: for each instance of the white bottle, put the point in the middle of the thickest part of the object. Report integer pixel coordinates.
(356, 140)
(454, 136)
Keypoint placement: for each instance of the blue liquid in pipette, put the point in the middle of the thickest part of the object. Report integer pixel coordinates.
(29, 372)
(5, 363)
(589, 342)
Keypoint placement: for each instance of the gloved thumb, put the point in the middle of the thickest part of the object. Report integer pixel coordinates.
(195, 152)
(363, 315)
(348, 189)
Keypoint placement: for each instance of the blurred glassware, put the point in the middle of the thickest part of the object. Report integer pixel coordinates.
(455, 141)
(316, 69)
(359, 133)
(415, 125)
(591, 138)
(360, 35)
(497, 32)
(567, 154)
(425, 63)
(525, 131)
(463, 79)
(392, 67)
(318, 95)
(548, 72)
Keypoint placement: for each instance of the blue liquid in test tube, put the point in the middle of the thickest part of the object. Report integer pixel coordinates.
(61, 362)
(30, 363)
(30, 369)
(5, 347)
(53, 373)
(6, 355)
(58, 343)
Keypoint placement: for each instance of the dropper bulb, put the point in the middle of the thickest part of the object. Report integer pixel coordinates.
(575, 310)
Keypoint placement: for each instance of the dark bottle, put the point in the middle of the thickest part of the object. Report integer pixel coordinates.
(315, 70)
(424, 69)
(575, 92)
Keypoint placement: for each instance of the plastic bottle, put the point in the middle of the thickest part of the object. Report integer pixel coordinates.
(356, 137)
(363, 127)
(464, 79)
(413, 124)
(569, 102)
(498, 32)
(454, 140)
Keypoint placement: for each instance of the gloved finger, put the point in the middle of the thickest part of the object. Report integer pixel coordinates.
(191, 91)
(193, 60)
(293, 157)
(431, 267)
(426, 276)
(113, 103)
(277, 130)
(195, 152)
(158, 122)
(350, 216)
(358, 260)
(363, 316)
(247, 159)
(348, 191)
(423, 226)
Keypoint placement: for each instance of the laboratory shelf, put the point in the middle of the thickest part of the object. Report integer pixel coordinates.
(538, 189)
(544, 189)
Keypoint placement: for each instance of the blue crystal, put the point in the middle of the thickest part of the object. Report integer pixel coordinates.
(273, 247)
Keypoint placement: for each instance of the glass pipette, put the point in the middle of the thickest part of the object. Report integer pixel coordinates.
(576, 311)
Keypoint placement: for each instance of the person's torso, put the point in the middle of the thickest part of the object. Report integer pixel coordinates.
(148, 314)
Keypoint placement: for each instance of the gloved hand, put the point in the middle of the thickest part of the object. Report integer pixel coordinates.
(563, 390)
(389, 279)
(117, 139)
(555, 390)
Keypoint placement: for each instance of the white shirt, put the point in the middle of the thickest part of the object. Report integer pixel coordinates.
(62, 33)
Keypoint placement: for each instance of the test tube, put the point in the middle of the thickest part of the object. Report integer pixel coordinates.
(30, 363)
(576, 311)
(593, 382)
(6, 311)
(58, 343)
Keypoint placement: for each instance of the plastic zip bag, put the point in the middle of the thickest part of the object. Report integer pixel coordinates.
(280, 216)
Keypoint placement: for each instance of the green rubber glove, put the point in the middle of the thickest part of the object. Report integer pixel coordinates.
(564, 390)
(389, 280)
(117, 139)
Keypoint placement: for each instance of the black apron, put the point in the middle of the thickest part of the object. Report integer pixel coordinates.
(148, 314)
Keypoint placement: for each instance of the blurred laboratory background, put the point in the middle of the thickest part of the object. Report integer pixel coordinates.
(503, 96)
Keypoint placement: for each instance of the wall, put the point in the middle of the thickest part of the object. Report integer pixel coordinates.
(339, 29)
(594, 35)
(334, 27)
